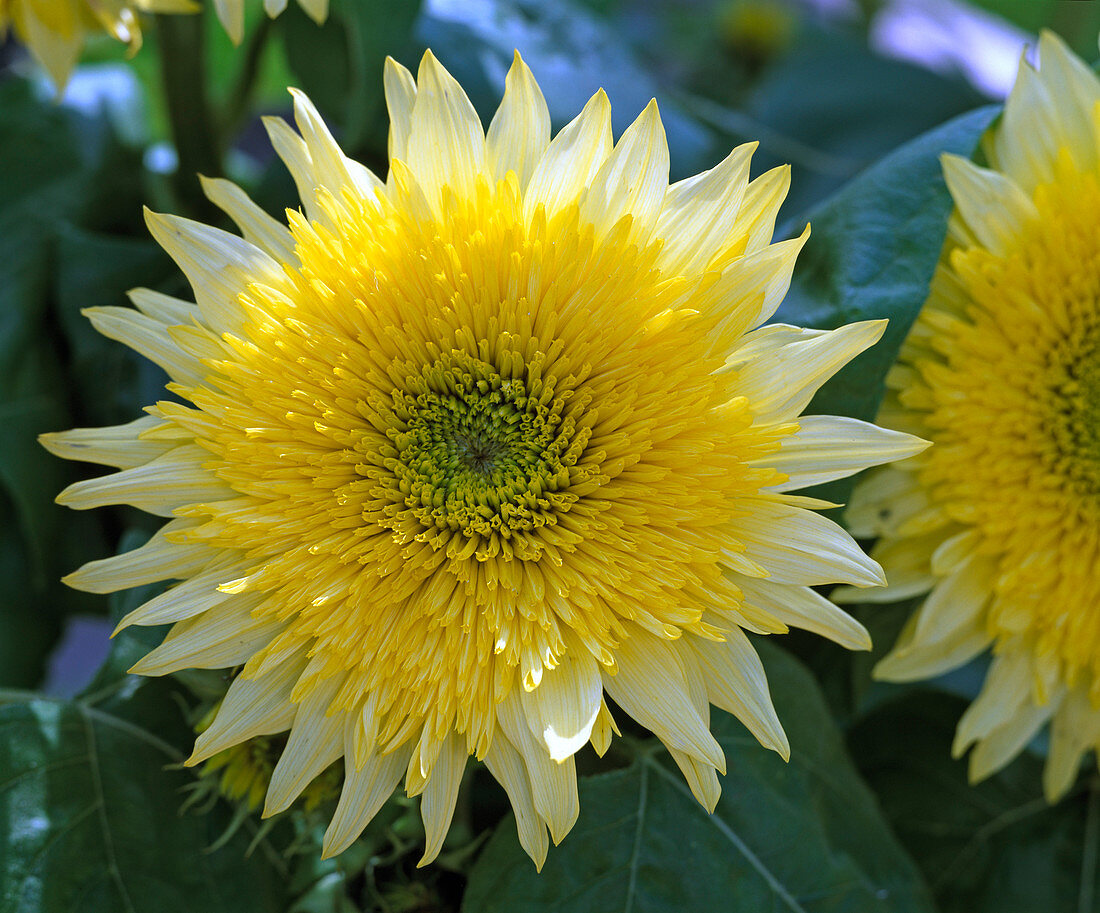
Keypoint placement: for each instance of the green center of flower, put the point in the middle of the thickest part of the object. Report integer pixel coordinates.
(483, 450)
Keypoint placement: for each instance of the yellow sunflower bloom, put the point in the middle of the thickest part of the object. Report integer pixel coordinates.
(999, 522)
(465, 450)
(231, 13)
(55, 30)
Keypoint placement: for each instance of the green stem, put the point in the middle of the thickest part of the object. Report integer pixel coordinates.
(240, 96)
(183, 72)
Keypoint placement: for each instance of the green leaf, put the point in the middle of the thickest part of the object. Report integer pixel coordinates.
(997, 847)
(833, 95)
(92, 819)
(871, 255)
(803, 837)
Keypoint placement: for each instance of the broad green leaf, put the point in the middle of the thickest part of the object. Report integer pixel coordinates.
(90, 802)
(871, 254)
(803, 837)
(833, 95)
(997, 847)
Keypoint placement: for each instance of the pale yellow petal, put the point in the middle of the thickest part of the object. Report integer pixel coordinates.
(437, 804)
(120, 446)
(219, 265)
(158, 559)
(366, 790)
(400, 88)
(996, 750)
(147, 337)
(316, 741)
(571, 160)
(251, 707)
(652, 687)
(562, 710)
(736, 683)
(781, 381)
(699, 213)
(632, 181)
(507, 766)
(828, 447)
(221, 637)
(258, 228)
(801, 607)
(159, 487)
(994, 209)
(231, 15)
(800, 547)
(553, 784)
(446, 140)
(520, 130)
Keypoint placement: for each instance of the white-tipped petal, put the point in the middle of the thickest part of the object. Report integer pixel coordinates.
(437, 804)
(366, 790)
(652, 687)
(562, 710)
(259, 229)
(231, 15)
(150, 338)
(158, 559)
(996, 750)
(446, 140)
(781, 379)
(699, 213)
(316, 741)
(187, 599)
(994, 209)
(221, 637)
(828, 447)
(164, 308)
(553, 784)
(736, 683)
(801, 607)
(571, 160)
(400, 90)
(158, 487)
(1006, 689)
(331, 168)
(251, 707)
(317, 10)
(1074, 730)
(800, 547)
(633, 180)
(120, 446)
(219, 265)
(520, 130)
(507, 766)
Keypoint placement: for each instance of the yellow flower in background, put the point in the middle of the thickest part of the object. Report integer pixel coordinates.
(464, 450)
(231, 13)
(999, 522)
(55, 30)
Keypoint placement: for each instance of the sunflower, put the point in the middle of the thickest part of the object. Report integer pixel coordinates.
(999, 522)
(463, 452)
(231, 13)
(55, 30)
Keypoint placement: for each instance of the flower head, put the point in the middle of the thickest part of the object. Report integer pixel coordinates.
(231, 13)
(55, 30)
(463, 451)
(999, 522)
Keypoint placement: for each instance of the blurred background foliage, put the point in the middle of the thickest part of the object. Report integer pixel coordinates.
(871, 815)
